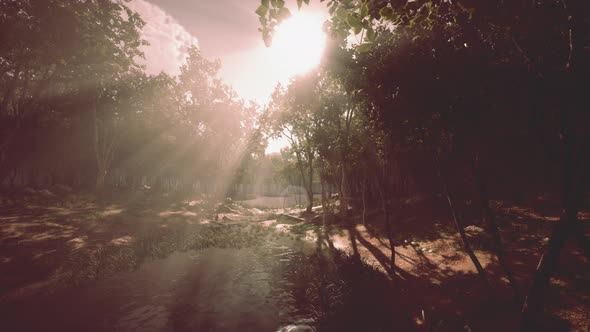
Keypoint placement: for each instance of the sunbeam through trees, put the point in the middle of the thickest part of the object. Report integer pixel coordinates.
(432, 168)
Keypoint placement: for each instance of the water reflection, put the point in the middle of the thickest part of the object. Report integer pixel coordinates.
(251, 289)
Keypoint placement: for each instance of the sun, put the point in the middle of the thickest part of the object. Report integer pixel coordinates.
(298, 43)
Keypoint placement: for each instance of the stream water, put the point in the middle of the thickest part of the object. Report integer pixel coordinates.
(249, 289)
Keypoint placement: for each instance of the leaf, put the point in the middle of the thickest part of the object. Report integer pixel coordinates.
(341, 13)
(261, 10)
(370, 34)
(365, 24)
(299, 4)
(280, 3)
(364, 47)
(386, 13)
(354, 22)
(284, 13)
(264, 3)
(364, 11)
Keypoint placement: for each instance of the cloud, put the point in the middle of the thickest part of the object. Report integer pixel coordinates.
(169, 41)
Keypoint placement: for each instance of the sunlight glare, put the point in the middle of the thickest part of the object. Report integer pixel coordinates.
(298, 43)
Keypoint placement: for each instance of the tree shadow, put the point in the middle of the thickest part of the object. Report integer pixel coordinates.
(451, 300)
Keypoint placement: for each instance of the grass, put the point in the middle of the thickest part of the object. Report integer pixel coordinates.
(301, 229)
(344, 294)
(284, 219)
(97, 263)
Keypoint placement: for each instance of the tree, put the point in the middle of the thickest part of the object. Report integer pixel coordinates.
(476, 62)
(220, 124)
(292, 114)
(63, 48)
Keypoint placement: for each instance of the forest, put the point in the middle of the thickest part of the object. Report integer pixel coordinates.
(434, 178)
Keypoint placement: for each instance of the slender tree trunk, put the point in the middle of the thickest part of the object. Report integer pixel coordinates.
(573, 193)
(307, 185)
(325, 211)
(386, 213)
(100, 171)
(343, 190)
(456, 220)
(487, 217)
(309, 190)
(100, 180)
(389, 235)
(364, 194)
(104, 150)
(12, 178)
(344, 185)
(535, 301)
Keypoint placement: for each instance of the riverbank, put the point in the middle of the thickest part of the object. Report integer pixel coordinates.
(54, 247)
(179, 269)
(47, 242)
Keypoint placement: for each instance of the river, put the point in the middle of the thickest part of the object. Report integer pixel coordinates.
(251, 289)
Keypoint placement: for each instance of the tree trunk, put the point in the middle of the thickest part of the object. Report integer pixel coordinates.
(573, 193)
(100, 180)
(309, 189)
(325, 211)
(488, 219)
(466, 246)
(364, 194)
(534, 303)
(104, 150)
(389, 235)
(386, 213)
(343, 190)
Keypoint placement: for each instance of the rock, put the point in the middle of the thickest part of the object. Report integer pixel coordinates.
(30, 191)
(296, 328)
(474, 230)
(226, 209)
(62, 188)
(415, 244)
(46, 193)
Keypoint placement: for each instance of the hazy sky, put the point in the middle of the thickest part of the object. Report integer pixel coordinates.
(223, 29)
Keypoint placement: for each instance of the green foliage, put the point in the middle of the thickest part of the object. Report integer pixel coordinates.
(76, 104)
(262, 10)
(365, 47)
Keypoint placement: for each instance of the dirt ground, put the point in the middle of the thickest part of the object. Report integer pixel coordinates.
(441, 282)
(438, 284)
